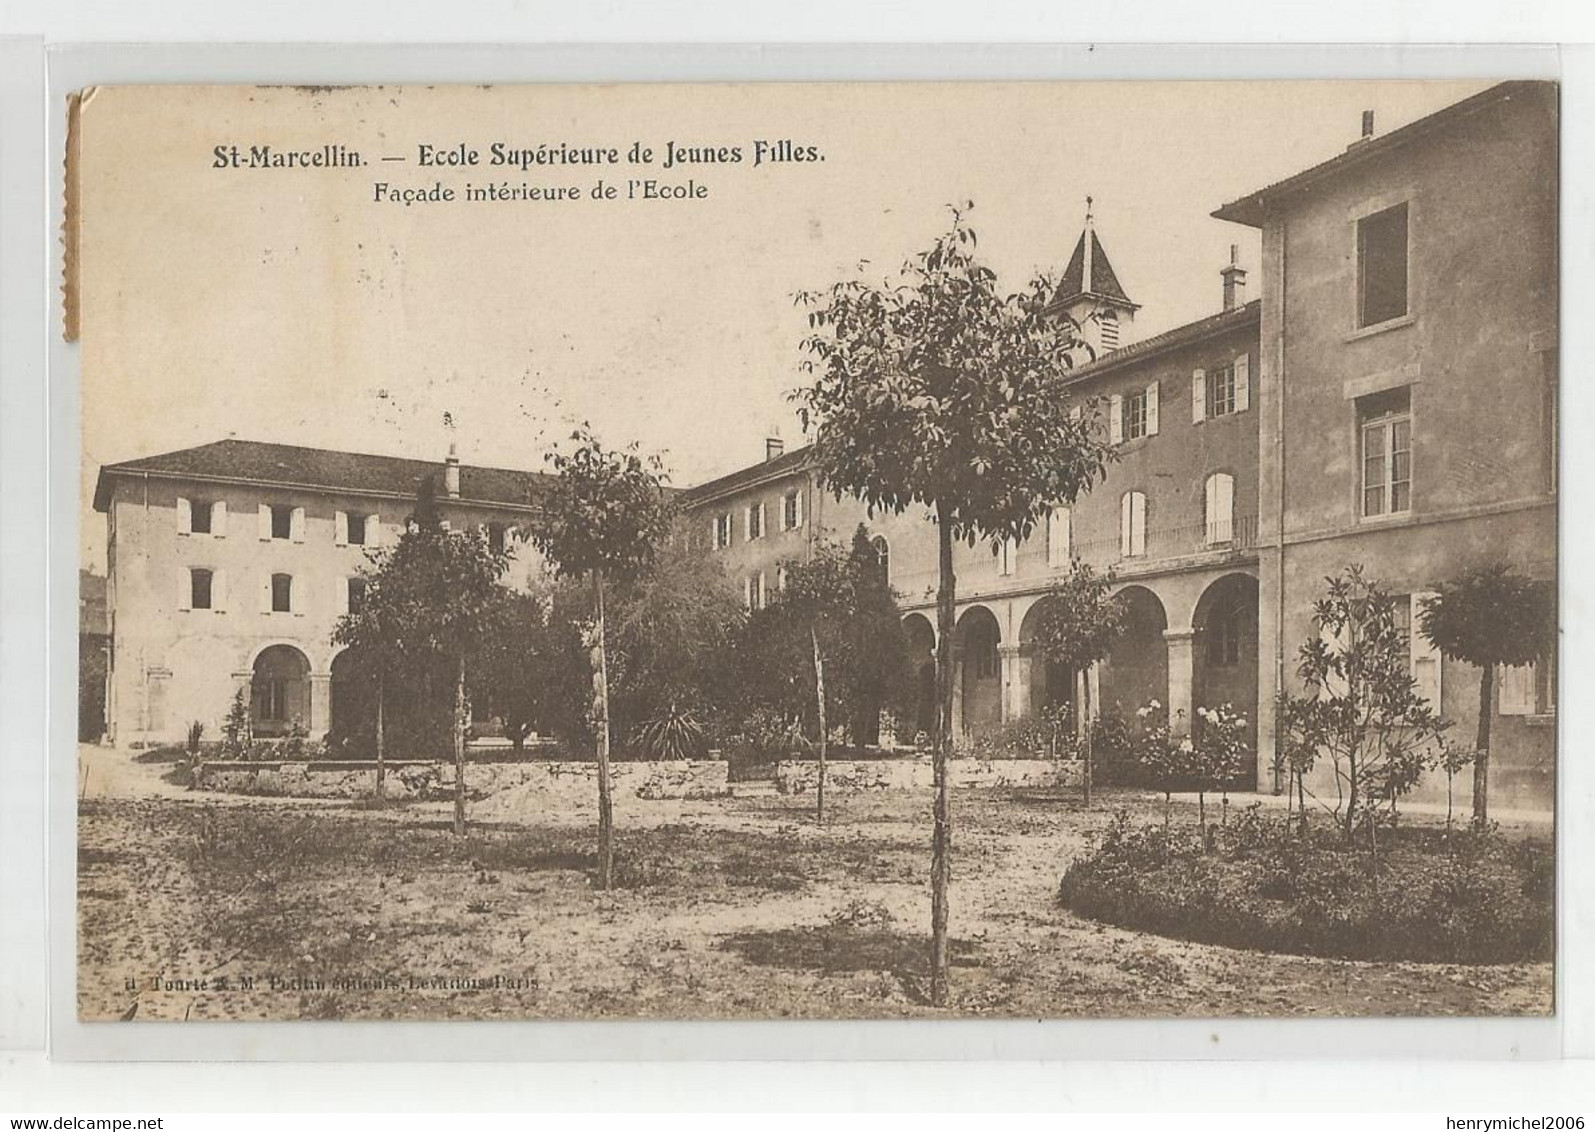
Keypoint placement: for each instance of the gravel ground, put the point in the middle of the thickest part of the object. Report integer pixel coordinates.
(192, 907)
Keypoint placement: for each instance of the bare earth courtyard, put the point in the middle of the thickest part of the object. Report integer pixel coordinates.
(195, 906)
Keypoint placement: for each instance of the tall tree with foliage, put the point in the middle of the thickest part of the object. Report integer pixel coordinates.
(1490, 616)
(428, 603)
(938, 391)
(1360, 705)
(510, 662)
(1078, 623)
(603, 518)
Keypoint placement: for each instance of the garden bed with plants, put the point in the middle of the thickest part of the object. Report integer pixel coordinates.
(1258, 882)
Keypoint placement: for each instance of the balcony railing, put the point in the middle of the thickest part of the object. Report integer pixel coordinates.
(1236, 534)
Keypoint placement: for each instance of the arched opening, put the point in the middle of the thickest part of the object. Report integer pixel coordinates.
(1052, 685)
(978, 639)
(352, 703)
(1224, 660)
(1137, 671)
(279, 691)
(922, 654)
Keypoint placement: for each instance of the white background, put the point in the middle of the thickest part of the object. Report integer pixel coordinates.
(29, 1083)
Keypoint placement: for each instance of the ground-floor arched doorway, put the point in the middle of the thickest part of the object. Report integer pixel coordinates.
(922, 661)
(1224, 654)
(279, 691)
(979, 640)
(1137, 671)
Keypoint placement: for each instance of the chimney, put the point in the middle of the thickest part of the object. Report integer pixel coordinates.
(773, 447)
(451, 474)
(1234, 276)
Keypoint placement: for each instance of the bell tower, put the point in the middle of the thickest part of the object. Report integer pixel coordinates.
(1090, 293)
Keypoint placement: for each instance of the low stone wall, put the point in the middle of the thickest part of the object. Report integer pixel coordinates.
(800, 776)
(561, 783)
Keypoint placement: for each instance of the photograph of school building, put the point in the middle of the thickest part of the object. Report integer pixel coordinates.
(1380, 390)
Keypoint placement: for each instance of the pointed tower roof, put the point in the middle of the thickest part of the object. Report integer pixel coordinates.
(1089, 273)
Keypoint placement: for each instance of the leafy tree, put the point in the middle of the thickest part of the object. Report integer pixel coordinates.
(510, 662)
(1360, 705)
(427, 605)
(604, 516)
(1490, 616)
(937, 391)
(878, 673)
(1079, 622)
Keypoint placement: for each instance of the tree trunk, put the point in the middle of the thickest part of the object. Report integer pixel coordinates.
(606, 815)
(459, 745)
(819, 695)
(381, 767)
(1085, 762)
(941, 754)
(1481, 757)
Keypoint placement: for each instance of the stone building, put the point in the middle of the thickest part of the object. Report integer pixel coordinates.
(1175, 519)
(229, 564)
(1408, 389)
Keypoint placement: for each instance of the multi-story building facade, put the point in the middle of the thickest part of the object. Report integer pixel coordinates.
(229, 564)
(1175, 519)
(1408, 388)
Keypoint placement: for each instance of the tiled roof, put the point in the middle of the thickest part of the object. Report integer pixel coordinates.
(784, 465)
(1253, 208)
(1170, 339)
(287, 465)
(1104, 282)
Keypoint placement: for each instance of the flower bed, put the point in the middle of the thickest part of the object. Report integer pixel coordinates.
(1432, 897)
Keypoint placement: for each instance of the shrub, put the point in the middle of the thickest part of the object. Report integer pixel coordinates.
(1472, 898)
(675, 733)
(1044, 735)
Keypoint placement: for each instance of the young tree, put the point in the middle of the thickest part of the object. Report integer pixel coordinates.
(1079, 622)
(509, 662)
(427, 605)
(1490, 616)
(604, 516)
(939, 392)
(1360, 704)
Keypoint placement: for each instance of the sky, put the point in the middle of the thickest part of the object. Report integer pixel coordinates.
(293, 306)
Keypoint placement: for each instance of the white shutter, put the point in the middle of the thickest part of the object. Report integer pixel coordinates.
(747, 592)
(799, 521)
(1425, 656)
(1515, 690)
(1243, 383)
(1115, 419)
(1198, 396)
(185, 588)
(340, 595)
(1151, 409)
(373, 530)
(1220, 507)
(218, 590)
(1126, 517)
(185, 516)
(1137, 523)
(1058, 550)
(296, 525)
(764, 519)
(340, 528)
(265, 523)
(762, 598)
(1074, 413)
(747, 523)
(293, 595)
(218, 519)
(265, 594)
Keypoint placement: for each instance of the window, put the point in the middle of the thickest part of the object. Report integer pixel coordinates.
(357, 594)
(199, 517)
(1528, 690)
(1132, 524)
(282, 593)
(282, 521)
(200, 590)
(1220, 508)
(271, 699)
(1230, 635)
(495, 537)
(1382, 266)
(1133, 415)
(357, 530)
(1058, 548)
(721, 531)
(883, 559)
(792, 509)
(753, 521)
(753, 594)
(1386, 428)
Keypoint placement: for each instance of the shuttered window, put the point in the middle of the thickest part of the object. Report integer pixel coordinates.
(1220, 508)
(1132, 524)
(1058, 548)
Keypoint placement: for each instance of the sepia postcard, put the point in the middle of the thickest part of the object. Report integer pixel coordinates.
(841, 551)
